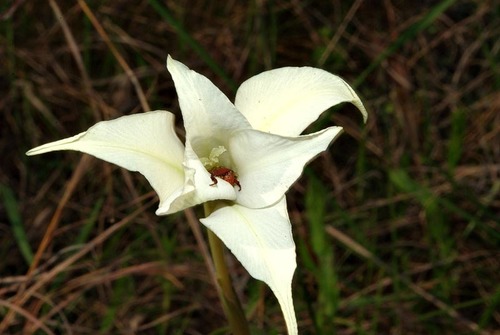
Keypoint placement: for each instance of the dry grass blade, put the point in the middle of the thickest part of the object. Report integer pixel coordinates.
(77, 57)
(128, 71)
(338, 34)
(14, 307)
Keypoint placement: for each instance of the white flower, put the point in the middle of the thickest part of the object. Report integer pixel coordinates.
(256, 140)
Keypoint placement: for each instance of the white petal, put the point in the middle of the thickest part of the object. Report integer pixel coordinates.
(206, 111)
(261, 239)
(267, 164)
(285, 101)
(145, 142)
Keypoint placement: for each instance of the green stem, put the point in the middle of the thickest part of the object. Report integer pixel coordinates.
(230, 302)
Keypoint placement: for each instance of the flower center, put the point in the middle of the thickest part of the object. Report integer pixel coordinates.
(214, 164)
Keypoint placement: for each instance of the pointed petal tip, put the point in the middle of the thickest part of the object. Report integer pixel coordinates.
(32, 152)
(172, 64)
(58, 145)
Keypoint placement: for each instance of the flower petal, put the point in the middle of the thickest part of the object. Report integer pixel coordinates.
(206, 111)
(267, 164)
(285, 101)
(261, 239)
(145, 142)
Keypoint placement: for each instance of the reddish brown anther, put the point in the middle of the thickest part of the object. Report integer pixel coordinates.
(225, 174)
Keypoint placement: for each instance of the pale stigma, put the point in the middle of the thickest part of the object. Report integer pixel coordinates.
(213, 158)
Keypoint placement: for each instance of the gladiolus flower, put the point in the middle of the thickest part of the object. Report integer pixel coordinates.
(244, 156)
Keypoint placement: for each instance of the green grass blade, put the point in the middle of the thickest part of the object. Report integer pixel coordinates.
(316, 199)
(493, 305)
(12, 209)
(90, 222)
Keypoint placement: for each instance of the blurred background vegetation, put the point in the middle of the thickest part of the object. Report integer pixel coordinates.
(396, 225)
